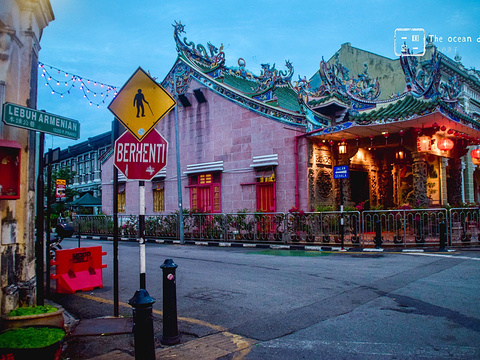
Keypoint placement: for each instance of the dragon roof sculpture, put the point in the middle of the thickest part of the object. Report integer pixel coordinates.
(273, 93)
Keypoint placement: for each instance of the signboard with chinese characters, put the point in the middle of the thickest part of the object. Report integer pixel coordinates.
(60, 188)
(32, 119)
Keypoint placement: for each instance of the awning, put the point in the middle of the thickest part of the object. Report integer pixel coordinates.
(87, 200)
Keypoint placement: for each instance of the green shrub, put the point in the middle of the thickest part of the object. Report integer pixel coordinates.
(30, 337)
(32, 310)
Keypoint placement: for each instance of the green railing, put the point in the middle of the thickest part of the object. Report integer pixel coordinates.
(403, 228)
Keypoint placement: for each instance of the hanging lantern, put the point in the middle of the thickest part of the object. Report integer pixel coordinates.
(424, 143)
(475, 154)
(450, 131)
(331, 142)
(400, 156)
(371, 139)
(385, 135)
(342, 147)
(435, 126)
(443, 128)
(445, 144)
(401, 133)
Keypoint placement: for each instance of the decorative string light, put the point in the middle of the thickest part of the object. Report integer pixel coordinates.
(95, 95)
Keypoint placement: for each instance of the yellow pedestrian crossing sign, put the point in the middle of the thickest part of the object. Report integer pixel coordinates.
(141, 103)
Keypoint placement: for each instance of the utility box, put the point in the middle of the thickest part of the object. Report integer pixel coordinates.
(10, 154)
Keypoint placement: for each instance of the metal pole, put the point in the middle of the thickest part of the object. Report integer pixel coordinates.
(79, 231)
(143, 332)
(179, 174)
(170, 322)
(342, 229)
(443, 236)
(141, 233)
(115, 134)
(49, 204)
(40, 224)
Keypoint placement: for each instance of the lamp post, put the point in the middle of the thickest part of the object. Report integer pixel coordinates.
(177, 150)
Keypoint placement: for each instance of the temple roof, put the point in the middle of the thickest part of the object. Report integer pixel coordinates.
(332, 95)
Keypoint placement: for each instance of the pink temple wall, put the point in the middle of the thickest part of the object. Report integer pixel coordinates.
(221, 130)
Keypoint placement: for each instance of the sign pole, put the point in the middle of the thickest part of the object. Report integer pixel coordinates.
(179, 174)
(342, 226)
(141, 231)
(48, 214)
(40, 224)
(115, 131)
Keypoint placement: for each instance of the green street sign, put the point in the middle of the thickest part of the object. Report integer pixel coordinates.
(32, 119)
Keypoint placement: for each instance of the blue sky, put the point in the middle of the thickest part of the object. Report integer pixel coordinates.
(107, 40)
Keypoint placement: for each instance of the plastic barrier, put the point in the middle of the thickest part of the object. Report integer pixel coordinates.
(78, 269)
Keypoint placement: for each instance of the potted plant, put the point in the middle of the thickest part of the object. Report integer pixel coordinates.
(34, 342)
(34, 316)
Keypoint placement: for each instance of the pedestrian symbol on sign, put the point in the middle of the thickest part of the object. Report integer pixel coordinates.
(138, 101)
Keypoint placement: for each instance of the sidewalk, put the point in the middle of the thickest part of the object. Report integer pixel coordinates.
(111, 338)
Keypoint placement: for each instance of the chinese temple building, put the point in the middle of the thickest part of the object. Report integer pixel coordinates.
(405, 127)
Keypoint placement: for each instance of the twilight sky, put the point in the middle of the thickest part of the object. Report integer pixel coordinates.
(107, 40)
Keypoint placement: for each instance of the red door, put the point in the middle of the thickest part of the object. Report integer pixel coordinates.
(266, 197)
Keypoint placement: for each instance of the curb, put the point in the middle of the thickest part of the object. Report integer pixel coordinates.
(268, 246)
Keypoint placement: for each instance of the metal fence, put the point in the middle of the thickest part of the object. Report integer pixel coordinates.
(402, 228)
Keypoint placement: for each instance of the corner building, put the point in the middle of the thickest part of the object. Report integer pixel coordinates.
(405, 127)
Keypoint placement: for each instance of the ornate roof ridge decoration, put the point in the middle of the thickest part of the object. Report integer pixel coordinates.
(336, 79)
(183, 72)
(198, 54)
(471, 74)
(213, 65)
(425, 81)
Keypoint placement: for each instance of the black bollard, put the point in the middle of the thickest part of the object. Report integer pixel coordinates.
(378, 234)
(443, 236)
(143, 325)
(170, 325)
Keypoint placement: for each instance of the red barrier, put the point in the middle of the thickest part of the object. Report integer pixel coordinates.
(78, 269)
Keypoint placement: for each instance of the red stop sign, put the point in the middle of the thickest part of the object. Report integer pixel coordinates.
(140, 160)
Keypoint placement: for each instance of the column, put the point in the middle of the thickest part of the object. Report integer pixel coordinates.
(454, 182)
(443, 180)
(419, 170)
(468, 180)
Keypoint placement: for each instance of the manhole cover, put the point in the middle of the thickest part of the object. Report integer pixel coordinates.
(211, 294)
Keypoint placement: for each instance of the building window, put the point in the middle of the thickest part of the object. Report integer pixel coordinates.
(158, 196)
(205, 193)
(266, 199)
(121, 198)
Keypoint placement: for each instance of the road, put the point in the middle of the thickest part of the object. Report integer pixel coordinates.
(314, 305)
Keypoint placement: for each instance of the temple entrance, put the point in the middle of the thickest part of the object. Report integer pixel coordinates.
(359, 186)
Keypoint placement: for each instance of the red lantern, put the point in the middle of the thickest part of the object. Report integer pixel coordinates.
(443, 128)
(435, 126)
(475, 154)
(450, 131)
(445, 144)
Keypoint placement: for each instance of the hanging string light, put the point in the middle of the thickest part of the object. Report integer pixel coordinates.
(64, 82)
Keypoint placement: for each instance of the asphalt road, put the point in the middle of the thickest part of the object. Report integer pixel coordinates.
(313, 305)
